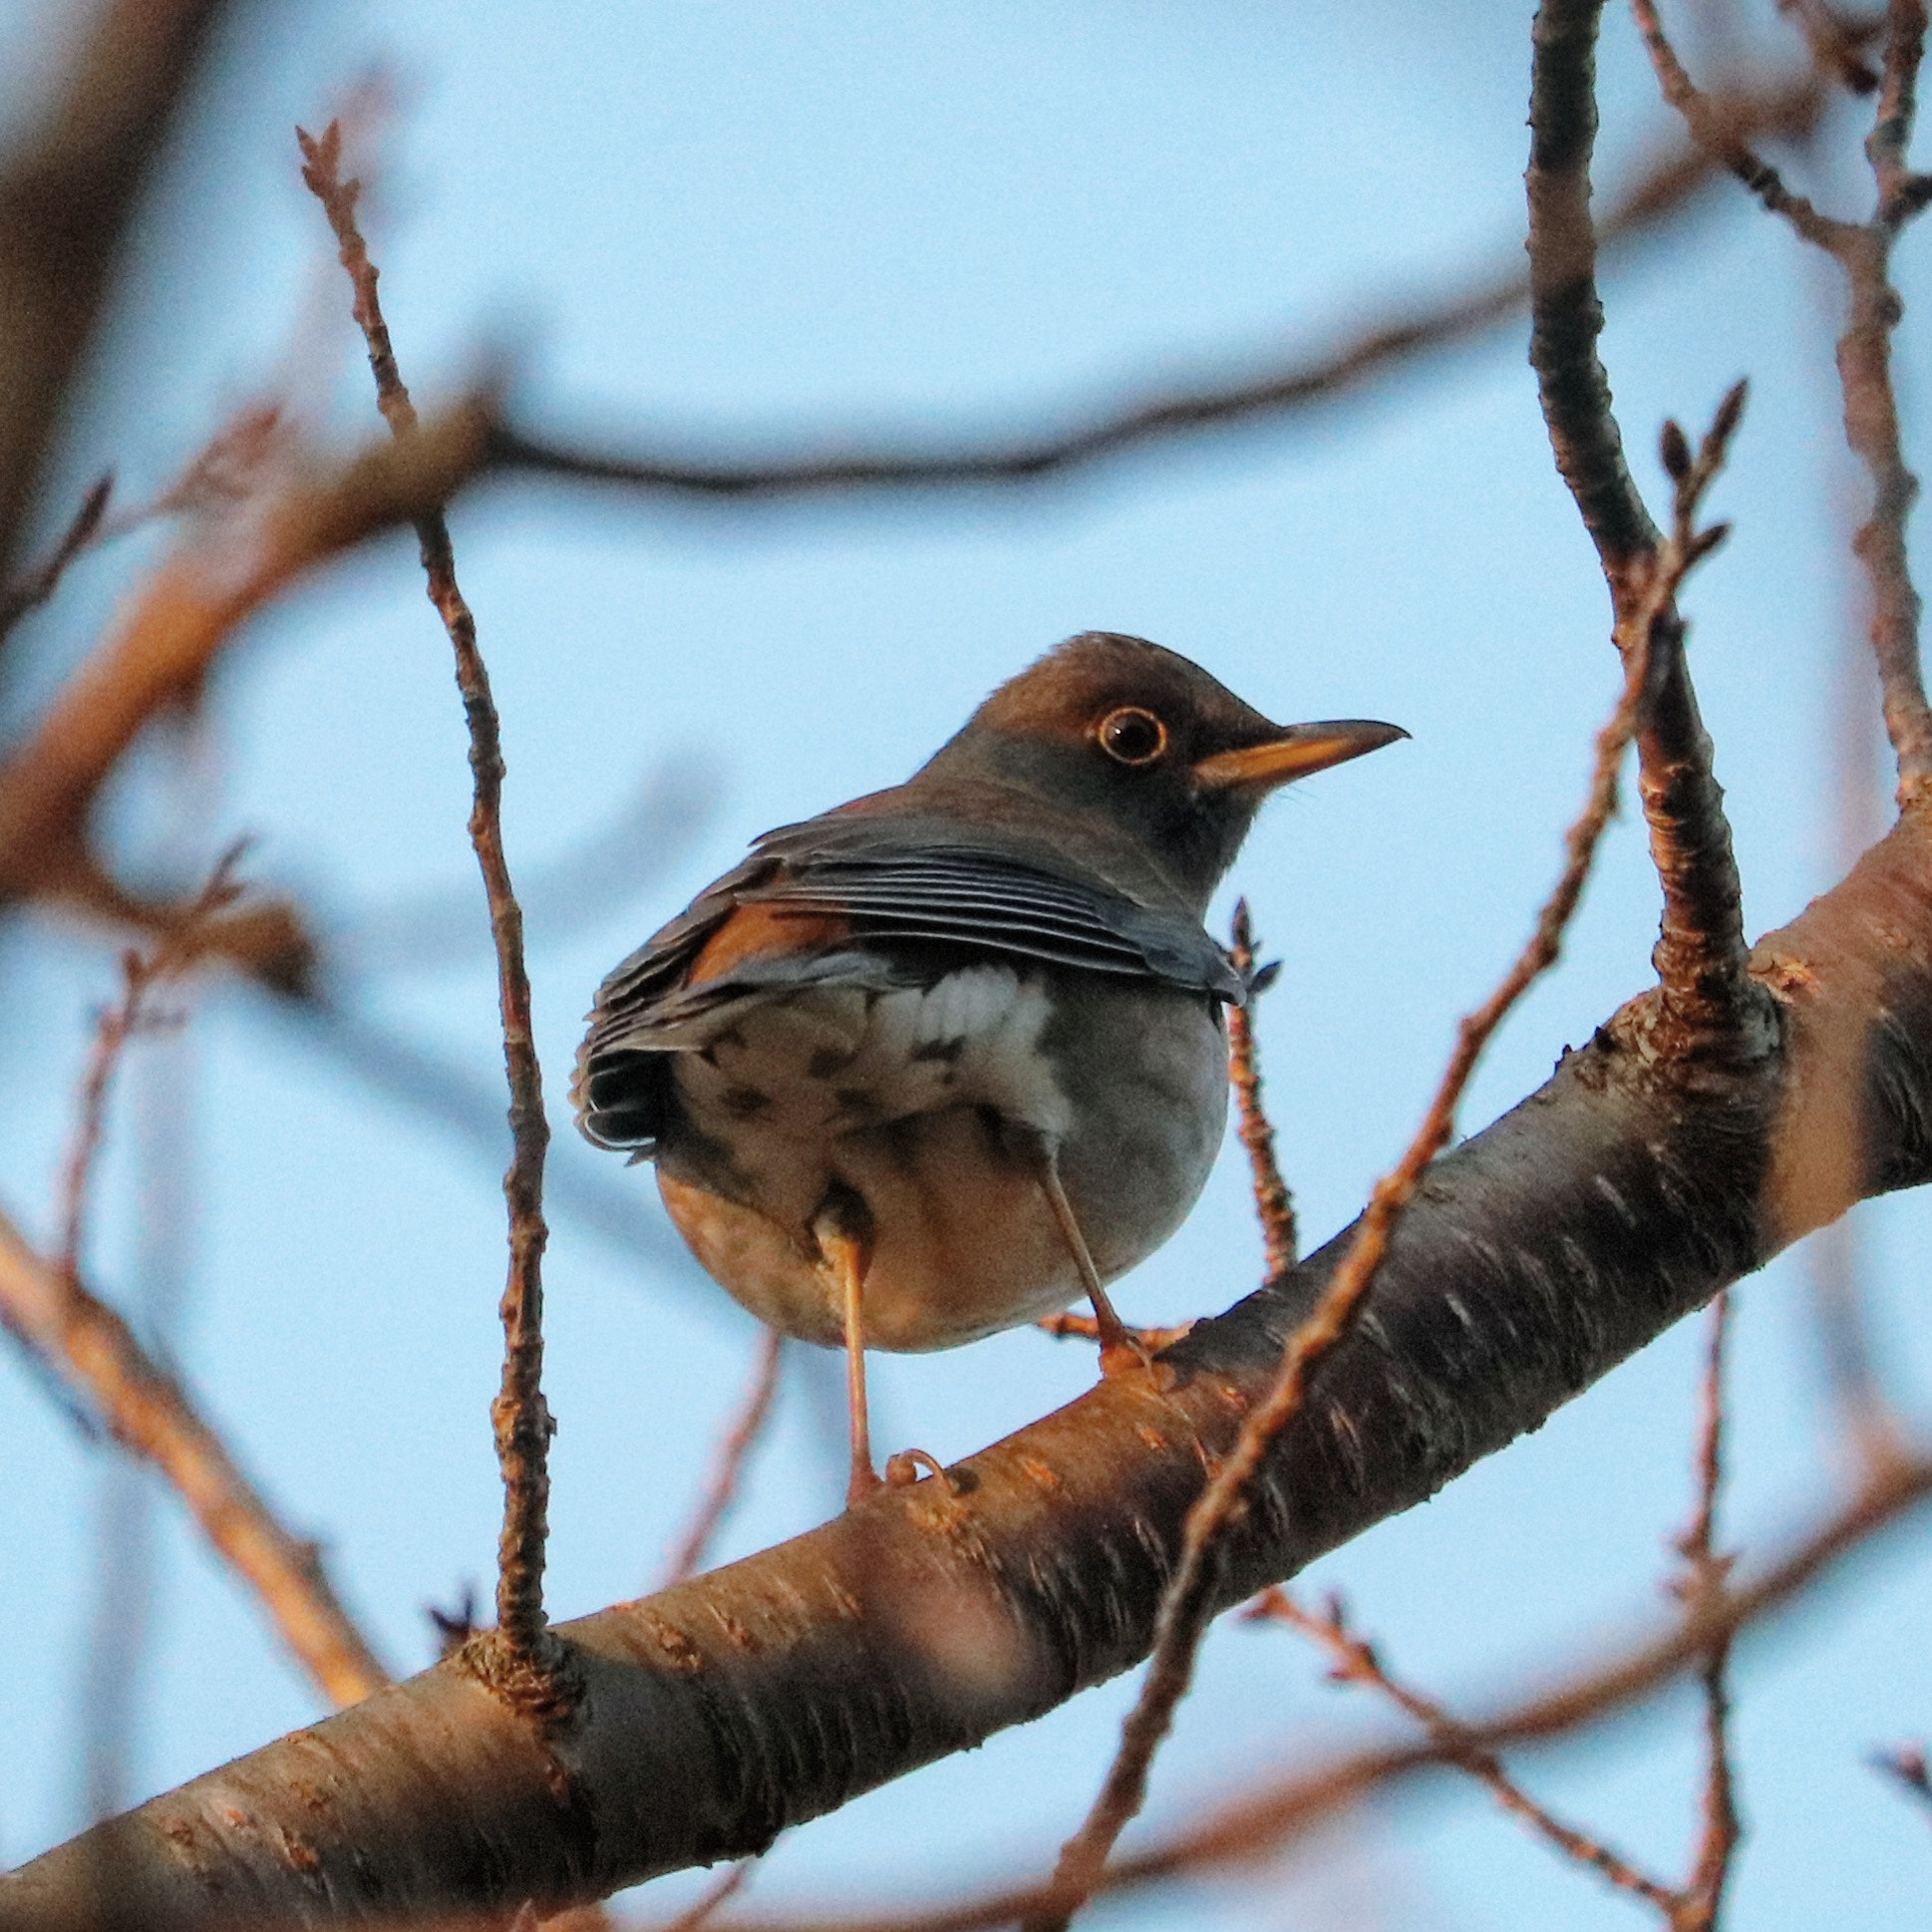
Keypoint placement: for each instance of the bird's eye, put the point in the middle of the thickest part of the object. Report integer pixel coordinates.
(1132, 735)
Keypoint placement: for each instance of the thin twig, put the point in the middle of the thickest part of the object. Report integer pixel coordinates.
(1149, 421)
(140, 973)
(1356, 1661)
(151, 1415)
(728, 1467)
(1836, 46)
(1274, 1206)
(529, 1671)
(1185, 1607)
(1703, 1582)
(43, 580)
(1905, 1766)
(1709, 1003)
(1863, 252)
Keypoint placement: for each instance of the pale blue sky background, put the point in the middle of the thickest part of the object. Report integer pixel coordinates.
(733, 218)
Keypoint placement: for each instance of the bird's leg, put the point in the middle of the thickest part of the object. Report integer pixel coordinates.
(1120, 1350)
(843, 1230)
(847, 1255)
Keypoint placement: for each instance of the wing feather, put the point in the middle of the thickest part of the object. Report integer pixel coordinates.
(983, 901)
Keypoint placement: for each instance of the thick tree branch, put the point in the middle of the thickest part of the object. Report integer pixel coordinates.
(1544, 1250)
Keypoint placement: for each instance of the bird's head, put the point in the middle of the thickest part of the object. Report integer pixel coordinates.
(1137, 737)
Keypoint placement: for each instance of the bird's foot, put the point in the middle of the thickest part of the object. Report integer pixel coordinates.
(901, 1471)
(904, 1470)
(1124, 1353)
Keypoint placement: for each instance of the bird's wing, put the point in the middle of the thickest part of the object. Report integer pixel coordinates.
(875, 901)
(994, 903)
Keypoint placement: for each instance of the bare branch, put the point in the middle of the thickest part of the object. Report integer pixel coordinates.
(43, 580)
(1891, 135)
(141, 974)
(1716, 131)
(67, 200)
(1702, 1584)
(1836, 46)
(150, 1415)
(1356, 1661)
(721, 1489)
(1658, 192)
(1709, 1003)
(182, 619)
(1273, 1204)
(1566, 316)
(522, 1662)
(1863, 254)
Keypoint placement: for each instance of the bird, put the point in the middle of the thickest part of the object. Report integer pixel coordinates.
(939, 1061)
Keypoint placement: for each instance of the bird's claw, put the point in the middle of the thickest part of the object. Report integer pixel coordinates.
(904, 1468)
(1123, 1354)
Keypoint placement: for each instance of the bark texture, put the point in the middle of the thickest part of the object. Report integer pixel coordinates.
(1617, 1198)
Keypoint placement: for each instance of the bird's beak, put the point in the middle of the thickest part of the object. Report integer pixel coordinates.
(1300, 750)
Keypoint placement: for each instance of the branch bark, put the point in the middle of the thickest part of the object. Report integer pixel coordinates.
(1540, 1253)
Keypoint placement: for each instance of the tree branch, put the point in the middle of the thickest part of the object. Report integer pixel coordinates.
(1274, 1206)
(150, 1415)
(1702, 1584)
(1863, 253)
(184, 617)
(1566, 316)
(520, 1657)
(1709, 1006)
(1353, 1660)
(831, 463)
(67, 201)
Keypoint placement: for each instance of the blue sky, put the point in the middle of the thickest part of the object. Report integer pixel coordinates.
(729, 220)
